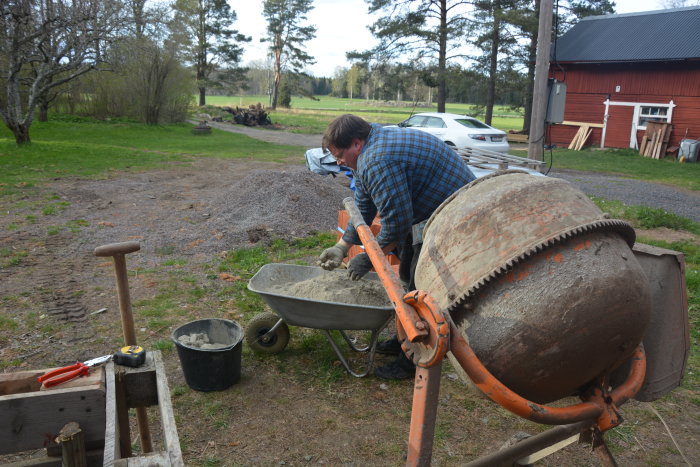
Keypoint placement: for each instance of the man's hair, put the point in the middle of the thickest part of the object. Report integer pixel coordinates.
(342, 130)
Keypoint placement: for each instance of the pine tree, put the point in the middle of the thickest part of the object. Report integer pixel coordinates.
(208, 43)
(287, 37)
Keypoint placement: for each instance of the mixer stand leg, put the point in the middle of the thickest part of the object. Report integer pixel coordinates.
(423, 414)
(601, 449)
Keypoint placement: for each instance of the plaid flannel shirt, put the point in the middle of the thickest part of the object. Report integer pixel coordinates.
(404, 174)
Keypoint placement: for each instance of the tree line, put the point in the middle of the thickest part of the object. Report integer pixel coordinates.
(144, 59)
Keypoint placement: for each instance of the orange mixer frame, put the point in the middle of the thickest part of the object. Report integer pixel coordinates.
(427, 333)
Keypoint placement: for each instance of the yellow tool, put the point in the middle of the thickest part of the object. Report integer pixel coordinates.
(130, 355)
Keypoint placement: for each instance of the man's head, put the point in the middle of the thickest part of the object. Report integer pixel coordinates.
(345, 137)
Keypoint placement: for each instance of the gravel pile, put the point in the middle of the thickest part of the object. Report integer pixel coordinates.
(281, 204)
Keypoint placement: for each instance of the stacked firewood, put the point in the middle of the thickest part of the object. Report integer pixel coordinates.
(252, 116)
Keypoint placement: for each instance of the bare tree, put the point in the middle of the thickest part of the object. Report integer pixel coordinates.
(287, 37)
(44, 44)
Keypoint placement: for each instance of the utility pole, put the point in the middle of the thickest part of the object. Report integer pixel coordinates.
(539, 94)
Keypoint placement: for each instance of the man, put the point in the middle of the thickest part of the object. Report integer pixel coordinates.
(404, 175)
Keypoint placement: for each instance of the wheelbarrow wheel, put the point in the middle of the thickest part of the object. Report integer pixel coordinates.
(259, 326)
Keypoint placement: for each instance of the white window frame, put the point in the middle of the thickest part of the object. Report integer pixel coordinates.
(635, 117)
(666, 118)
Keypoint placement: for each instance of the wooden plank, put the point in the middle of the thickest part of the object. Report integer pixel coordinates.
(122, 416)
(650, 148)
(585, 133)
(667, 136)
(26, 381)
(517, 138)
(167, 418)
(574, 140)
(542, 453)
(20, 382)
(159, 459)
(32, 420)
(111, 450)
(592, 125)
(93, 458)
(643, 145)
(139, 383)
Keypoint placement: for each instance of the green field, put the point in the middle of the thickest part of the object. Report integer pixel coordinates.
(67, 146)
(321, 111)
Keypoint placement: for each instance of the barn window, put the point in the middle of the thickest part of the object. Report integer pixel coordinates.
(652, 114)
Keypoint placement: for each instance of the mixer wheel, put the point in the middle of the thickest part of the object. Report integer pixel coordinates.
(261, 325)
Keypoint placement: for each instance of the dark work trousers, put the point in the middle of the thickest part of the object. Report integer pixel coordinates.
(408, 255)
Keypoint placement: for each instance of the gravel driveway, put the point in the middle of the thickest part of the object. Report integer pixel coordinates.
(684, 203)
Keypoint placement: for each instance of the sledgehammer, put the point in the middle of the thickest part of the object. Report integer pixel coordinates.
(117, 251)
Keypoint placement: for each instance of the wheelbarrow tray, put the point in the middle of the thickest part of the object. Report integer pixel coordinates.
(297, 311)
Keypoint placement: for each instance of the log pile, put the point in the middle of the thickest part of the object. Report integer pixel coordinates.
(252, 116)
(655, 140)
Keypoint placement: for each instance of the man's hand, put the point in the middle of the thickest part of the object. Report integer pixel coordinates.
(332, 257)
(359, 266)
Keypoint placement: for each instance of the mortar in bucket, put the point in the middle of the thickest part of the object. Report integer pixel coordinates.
(214, 365)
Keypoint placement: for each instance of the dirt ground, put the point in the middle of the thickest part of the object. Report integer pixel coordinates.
(283, 411)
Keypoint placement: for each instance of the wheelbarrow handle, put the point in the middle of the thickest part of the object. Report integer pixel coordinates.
(414, 327)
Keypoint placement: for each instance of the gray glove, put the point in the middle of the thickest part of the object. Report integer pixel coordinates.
(359, 266)
(332, 257)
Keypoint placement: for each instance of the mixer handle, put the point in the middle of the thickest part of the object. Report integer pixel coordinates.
(414, 327)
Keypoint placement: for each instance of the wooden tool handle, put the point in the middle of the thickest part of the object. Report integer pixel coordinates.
(114, 249)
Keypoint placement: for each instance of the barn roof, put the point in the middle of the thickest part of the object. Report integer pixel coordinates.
(672, 34)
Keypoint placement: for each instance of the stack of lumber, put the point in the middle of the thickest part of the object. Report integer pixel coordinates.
(584, 131)
(655, 140)
(517, 137)
(491, 160)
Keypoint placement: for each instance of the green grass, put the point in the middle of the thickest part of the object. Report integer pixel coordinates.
(647, 217)
(11, 257)
(93, 149)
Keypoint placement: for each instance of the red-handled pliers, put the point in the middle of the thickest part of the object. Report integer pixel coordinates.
(67, 373)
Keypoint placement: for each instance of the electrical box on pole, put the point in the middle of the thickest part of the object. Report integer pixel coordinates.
(536, 135)
(556, 101)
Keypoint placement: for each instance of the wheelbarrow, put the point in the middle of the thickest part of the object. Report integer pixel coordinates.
(269, 332)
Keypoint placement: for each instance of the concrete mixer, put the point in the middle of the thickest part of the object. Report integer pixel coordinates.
(538, 280)
(534, 291)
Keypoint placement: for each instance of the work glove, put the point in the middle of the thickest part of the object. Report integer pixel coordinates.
(332, 257)
(359, 266)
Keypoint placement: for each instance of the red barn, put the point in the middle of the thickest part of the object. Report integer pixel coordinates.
(622, 71)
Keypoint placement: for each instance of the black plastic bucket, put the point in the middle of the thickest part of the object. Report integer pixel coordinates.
(211, 369)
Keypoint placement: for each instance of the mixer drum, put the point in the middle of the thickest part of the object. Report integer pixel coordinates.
(543, 286)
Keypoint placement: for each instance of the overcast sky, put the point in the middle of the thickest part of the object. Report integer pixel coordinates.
(341, 26)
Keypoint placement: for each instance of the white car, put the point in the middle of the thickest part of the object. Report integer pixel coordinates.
(459, 131)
